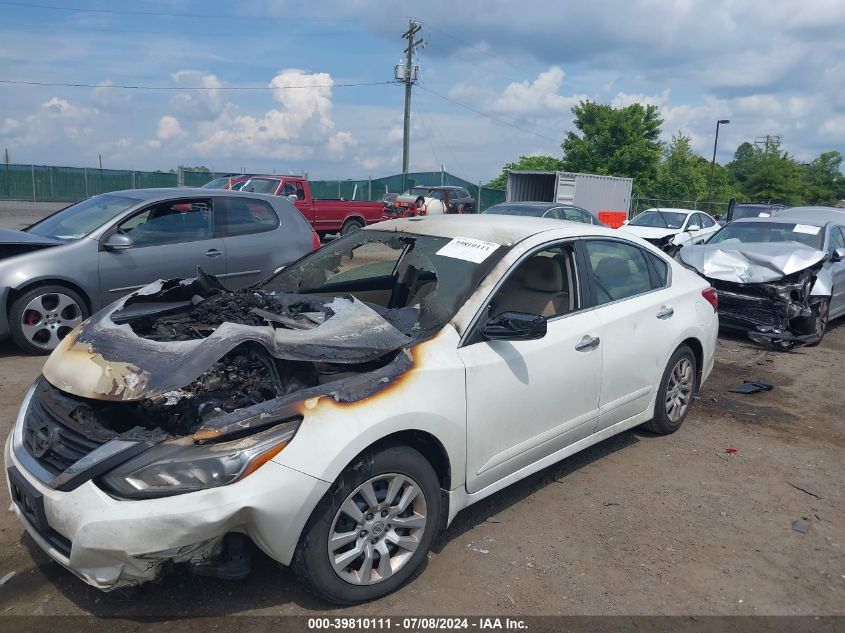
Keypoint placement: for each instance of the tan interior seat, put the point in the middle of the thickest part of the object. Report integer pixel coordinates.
(543, 291)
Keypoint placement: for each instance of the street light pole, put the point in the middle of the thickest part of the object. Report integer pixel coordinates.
(713, 162)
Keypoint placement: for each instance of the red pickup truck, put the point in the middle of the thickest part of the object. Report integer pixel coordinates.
(326, 216)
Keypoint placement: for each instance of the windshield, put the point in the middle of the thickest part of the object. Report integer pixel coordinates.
(261, 185)
(659, 219)
(395, 270)
(515, 209)
(427, 193)
(744, 232)
(80, 219)
(217, 183)
(750, 211)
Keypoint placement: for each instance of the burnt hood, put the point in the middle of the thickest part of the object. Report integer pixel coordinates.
(22, 238)
(106, 359)
(751, 263)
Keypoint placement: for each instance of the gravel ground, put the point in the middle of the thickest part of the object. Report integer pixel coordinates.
(638, 524)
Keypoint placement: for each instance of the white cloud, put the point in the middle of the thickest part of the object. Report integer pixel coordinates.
(536, 97)
(198, 104)
(169, 128)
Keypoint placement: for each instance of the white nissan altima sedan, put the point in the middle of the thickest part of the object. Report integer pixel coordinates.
(340, 414)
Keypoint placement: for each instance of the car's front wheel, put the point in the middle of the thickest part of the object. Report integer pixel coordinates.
(373, 529)
(43, 316)
(675, 393)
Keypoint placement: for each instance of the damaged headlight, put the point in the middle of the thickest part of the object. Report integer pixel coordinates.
(180, 466)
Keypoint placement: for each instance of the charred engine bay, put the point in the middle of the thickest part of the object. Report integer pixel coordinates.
(246, 376)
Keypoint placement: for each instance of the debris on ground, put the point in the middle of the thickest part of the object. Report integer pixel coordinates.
(7, 578)
(475, 547)
(805, 488)
(731, 450)
(801, 525)
(752, 386)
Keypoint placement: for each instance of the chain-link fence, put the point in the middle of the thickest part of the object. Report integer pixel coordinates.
(640, 204)
(44, 183)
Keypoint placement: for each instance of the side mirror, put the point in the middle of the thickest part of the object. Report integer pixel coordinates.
(838, 255)
(293, 199)
(118, 242)
(624, 222)
(692, 228)
(514, 326)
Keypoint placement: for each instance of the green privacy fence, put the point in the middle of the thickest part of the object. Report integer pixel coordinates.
(375, 188)
(45, 183)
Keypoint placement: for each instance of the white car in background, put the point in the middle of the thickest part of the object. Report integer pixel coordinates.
(341, 413)
(671, 229)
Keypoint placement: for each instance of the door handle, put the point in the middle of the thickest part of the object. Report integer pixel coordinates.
(213, 252)
(587, 343)
(665, 312)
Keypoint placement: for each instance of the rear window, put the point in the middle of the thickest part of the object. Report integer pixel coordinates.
(262, 185)
(242, 216)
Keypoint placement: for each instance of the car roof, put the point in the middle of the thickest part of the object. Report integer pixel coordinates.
(501, 229)
(437, 187)
(534, 205)
(166, 193)
(675, 210)
(815, 215)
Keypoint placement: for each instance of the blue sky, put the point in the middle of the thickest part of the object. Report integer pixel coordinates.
(761, 63)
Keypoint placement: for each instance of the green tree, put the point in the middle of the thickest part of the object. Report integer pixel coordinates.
(680, 175)
(527, 163)
(615, 141)
(746, 161)
(822, 179)
(777, 177)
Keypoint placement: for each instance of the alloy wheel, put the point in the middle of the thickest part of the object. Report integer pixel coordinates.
(679, 390)
(377, 529)
(48, 318)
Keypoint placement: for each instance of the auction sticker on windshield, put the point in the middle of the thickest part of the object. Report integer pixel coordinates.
(806, 228)
(468, 249)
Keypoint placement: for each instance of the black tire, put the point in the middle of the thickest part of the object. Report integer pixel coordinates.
(662, 423)
(816, 323)
(62, 324)
(311, 562)
(352, 224)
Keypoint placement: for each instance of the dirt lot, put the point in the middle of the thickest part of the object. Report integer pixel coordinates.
(636, 525)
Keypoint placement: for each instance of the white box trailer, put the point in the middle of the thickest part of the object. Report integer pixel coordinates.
(588, 191)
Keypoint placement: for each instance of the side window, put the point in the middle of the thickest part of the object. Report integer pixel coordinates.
(661, 268)
(619, 270)
(545, 283)
(262, 185)
(300, 191)
(465, 194)
(573, 214)
(170, 223)
(289, 189)
(836, 239)
(555, 214)
(706, 221)
(241, 216)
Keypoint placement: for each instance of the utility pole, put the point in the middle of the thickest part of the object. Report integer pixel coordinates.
(713, 162)
(408, 74)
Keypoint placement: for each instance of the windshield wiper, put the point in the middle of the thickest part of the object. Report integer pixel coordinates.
(662, 217)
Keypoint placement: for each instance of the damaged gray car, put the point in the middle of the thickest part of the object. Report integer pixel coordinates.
(780, 279)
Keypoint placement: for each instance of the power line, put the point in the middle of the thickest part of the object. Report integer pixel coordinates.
(488, 115)
(134, 87)
(216, 16)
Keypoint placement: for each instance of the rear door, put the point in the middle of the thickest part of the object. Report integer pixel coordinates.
(170, 239)
(636, 309)
(255, 244)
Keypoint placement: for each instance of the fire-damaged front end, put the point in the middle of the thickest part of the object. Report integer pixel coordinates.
(771, 291)
(184, 387)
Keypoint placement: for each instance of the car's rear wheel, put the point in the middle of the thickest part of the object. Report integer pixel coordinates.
(40, 318)
(351, 225)
(675, 393)
(373, 529)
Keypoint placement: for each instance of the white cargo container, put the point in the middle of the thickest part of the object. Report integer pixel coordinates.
(588, 191)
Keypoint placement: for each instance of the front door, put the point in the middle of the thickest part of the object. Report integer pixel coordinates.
(528, 399)
(170, 239)
(837, 299)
